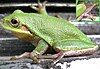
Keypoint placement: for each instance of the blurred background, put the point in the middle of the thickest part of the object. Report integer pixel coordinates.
(88, 10)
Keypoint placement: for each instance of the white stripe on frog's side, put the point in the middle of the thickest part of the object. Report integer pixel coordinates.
(81, 52)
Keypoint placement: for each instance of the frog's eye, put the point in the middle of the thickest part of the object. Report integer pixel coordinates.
(14, 22)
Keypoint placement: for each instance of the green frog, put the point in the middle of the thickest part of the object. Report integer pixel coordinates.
(46, 31)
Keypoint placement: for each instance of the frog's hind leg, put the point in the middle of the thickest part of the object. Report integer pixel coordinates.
(61, 54)
(73, 47)
(57, 57)
(41, 8)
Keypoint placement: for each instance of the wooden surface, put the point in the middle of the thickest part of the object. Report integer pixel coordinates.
(6, 63)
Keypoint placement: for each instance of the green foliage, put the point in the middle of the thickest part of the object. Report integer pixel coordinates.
(88, 1)
(80, 8)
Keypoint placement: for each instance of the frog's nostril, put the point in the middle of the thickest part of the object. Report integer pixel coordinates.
(4, 20)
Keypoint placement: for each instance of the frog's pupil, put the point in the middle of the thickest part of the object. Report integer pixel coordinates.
(13, 21)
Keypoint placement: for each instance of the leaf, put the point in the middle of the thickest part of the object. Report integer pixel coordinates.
(80, 8)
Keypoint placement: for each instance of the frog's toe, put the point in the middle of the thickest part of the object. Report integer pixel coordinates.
(24, 55)
(34, 57)
(42, 4)
(40, 7)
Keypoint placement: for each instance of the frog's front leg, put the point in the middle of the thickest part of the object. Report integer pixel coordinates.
(39, 50)
(41, 8)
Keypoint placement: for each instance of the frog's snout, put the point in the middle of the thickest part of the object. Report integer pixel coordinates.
(1, 21)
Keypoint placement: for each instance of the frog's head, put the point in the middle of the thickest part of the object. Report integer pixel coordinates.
(13, 23)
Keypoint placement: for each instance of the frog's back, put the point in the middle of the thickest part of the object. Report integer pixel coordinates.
(55, 28)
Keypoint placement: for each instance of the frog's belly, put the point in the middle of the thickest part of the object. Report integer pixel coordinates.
(81, 52)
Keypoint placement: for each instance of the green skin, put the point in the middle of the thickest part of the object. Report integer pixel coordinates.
(50, 31)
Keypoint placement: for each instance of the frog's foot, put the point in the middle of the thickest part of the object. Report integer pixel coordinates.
(57, 57)
(34, 56)
(24, 55)
(41, 7)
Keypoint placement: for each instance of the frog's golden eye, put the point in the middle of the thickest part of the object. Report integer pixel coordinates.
(14, 22)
